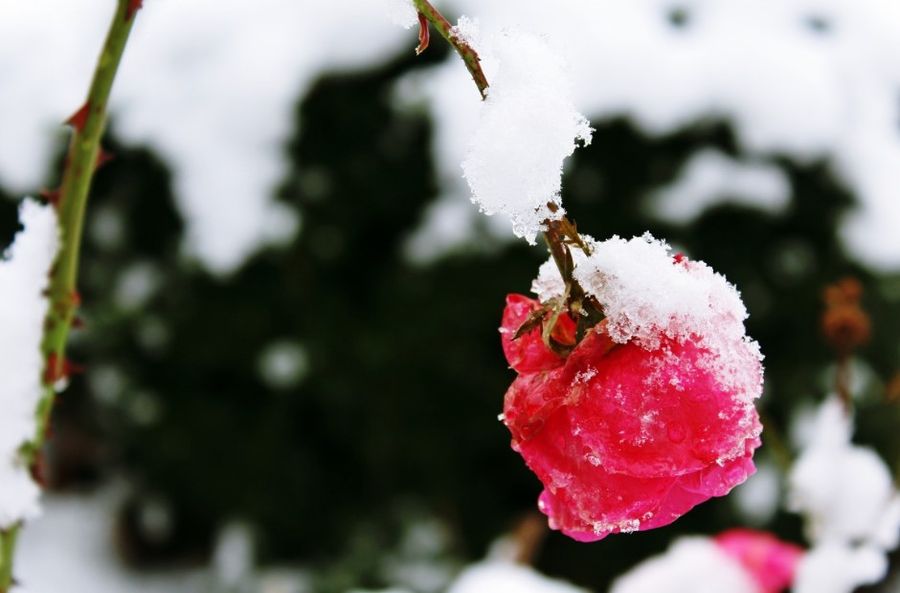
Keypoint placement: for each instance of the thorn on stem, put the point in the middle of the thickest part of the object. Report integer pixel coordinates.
(51, 196)
(103, 157)
(424, 34)
(39, 469)
(133, 7)
(58, 371)
(78, 119)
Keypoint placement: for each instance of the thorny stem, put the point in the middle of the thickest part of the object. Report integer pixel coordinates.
(465, 51)
(81, 161)
(561, 234)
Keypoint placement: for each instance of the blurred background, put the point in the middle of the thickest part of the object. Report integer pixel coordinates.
(293, 371)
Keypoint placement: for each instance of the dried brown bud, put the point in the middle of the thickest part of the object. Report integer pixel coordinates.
(845, 325)
(843, 292)
(852, 288)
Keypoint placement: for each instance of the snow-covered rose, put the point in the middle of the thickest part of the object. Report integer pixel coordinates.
(652, 412)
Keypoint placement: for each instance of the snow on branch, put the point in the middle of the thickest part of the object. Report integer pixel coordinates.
(529, 125)
(23, 307)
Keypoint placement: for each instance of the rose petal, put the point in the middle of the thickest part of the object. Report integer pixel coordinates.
(528, 353)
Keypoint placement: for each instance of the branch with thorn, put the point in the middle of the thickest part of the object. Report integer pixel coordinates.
(561, 235)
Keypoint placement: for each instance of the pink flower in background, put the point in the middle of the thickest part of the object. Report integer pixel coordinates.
(770, 561)
(643, 420)
(738, 561)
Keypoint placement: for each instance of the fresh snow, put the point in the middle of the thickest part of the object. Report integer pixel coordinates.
(23, 306)
(805, 79)
(496, 576)
(645, 294)
(19, 496)
(209, 85)
(528, 127)
(852, 510)
(845, 491)
(839, 568)
(402, 12)
(690, 565)
(711, 177)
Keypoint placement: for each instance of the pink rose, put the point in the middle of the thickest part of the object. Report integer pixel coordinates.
(625, 437)
(770, 561)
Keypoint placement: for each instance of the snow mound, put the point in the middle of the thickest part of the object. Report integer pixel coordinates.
(528, 126)
(691, 565)
(23, 278)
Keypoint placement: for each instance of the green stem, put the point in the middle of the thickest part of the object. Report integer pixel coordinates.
(7, 546)
(81, 162)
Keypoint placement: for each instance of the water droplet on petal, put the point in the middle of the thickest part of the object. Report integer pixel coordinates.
(676, 432)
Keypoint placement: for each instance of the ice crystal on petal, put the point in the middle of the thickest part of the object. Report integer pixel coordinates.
(646, 293)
